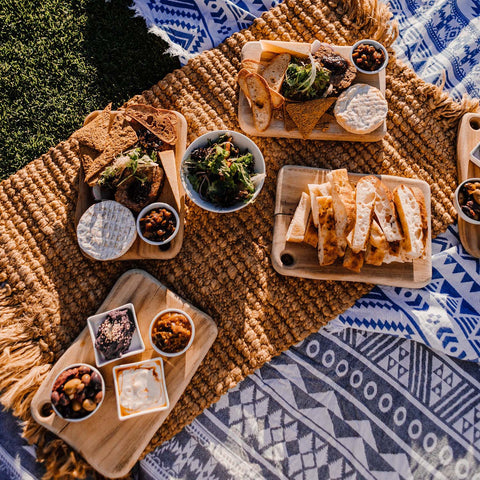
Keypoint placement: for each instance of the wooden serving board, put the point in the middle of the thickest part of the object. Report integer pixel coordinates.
(112, 446)
(291, 182)
(468, 137)
(141, 249)
(328, 131)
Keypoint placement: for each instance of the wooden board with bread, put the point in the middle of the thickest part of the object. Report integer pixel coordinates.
(309, 91)
(468, 137)
(147, 155)
(338, 225)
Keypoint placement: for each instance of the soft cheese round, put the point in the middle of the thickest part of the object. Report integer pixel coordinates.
(361, 109)
(106, 230)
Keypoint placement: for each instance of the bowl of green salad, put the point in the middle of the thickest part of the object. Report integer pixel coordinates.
(222, 171)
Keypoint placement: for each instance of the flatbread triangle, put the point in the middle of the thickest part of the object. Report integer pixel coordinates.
(307, 114)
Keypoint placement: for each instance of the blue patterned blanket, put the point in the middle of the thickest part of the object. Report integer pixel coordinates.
(350, 402)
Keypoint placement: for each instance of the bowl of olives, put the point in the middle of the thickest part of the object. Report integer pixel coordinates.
(77, 392)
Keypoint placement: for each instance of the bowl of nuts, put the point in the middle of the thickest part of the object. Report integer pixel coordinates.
(172, 332)
(158, 223)
(467, 200)
(77, 392)
(369, 56)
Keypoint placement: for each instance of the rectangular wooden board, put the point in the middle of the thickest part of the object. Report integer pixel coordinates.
(467, 139)
(328, 131)
(291, 182)
(112, 446)
(141, 249)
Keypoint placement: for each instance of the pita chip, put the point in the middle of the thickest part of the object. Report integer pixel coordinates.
(307, 114)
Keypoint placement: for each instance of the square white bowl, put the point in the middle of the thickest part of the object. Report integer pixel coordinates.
(157, 365)
(136, 346)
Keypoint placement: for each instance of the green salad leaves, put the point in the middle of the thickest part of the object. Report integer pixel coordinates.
(305, 80)
(220, 173)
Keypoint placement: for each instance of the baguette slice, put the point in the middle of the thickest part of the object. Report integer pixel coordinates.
(318, 190)
(299, 223)
(311, 234)
(412, 213)
(343, 198)
(386, 215)
(261, 101)
(365, 194)
(377, 245)
(327, 237)
(275, 70)
(353, 261)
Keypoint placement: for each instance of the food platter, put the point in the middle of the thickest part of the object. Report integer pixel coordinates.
(291, 182)
(468, 136)
(331, 130)
(172, 194)
(112, 446)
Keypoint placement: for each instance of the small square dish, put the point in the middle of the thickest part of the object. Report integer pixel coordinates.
(140, 388)
(115, 334)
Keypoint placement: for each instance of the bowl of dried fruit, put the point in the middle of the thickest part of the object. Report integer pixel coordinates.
(172, 332)
(77, 392)
(158, 223)
(369, 56)
(115, 334)
(467, 200)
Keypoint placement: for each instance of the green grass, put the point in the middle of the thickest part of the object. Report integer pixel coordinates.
(61, 60)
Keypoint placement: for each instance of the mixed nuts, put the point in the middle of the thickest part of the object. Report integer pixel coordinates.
(469, 199)
(77, 392)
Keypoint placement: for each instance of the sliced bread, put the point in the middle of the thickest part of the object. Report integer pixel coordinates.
(318, 190)
(377, 245)
(274, 72)
(299, 223)
(386, 215)
(412, 213)
(365, 194)
(343, 201)
(353, 261)
(261, 102)
(327, 237)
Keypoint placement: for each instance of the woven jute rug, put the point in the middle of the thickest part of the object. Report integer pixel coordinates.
(48, 287)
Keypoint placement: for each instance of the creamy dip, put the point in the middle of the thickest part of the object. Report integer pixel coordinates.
(140, 388)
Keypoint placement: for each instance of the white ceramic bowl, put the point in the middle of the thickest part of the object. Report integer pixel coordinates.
(153, 367)
(98, 405)
(153, 206)
(376, 45)
(158, 315)
(457, 203)
(136, 346)
(244, 144)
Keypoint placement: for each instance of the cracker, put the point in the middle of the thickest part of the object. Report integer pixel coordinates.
(306, 114)
(162, 123)
(121, 137)
(94, 134)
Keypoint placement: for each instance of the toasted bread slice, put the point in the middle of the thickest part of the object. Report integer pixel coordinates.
(353, 261)
(253, 66)
(274, 72)
(377, 245)
(307, 114)
(386, 215)
(343, 198)
(261, 101)
(412, 213)
(365, 193)
(299, 223)
(318, 190)
(277, 99)
(311, 234)
(327, 237)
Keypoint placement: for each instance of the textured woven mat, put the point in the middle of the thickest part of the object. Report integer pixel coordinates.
(48, 288)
